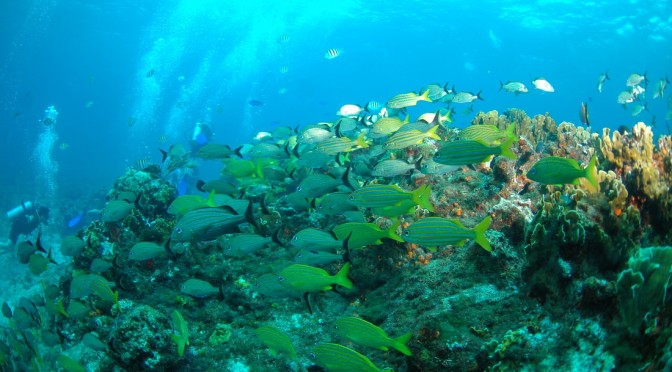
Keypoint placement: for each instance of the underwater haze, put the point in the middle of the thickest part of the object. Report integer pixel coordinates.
(112, 111)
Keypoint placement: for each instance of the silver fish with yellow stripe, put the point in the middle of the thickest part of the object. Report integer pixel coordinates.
(439, 231)
(364, 333)
(304, 278)
(472, 152)
(363, 234)
(407, 99)
(378, 196)
(338, 358)
(276, 340)
(402, 140)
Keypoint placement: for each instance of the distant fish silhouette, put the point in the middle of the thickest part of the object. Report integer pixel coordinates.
(150, 73)
(255, 102)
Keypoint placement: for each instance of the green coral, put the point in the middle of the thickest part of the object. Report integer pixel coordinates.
(642, 287)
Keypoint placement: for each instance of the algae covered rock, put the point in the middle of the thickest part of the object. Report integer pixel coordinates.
(141, 340)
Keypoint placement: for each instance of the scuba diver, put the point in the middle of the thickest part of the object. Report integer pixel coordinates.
(25, 219)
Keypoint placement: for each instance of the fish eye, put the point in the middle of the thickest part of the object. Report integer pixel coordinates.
(228, 247)
(281, 279)
(298, 188)
(295, 238)
(406, 233)
(352, 197)
(312, 355)
(533, 171)
(178, 230)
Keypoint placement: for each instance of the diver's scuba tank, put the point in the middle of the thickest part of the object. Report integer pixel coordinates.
(20, 210)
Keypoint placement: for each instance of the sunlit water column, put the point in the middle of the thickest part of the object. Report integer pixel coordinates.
(45, 166)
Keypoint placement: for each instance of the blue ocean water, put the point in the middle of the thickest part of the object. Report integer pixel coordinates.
(90, 60)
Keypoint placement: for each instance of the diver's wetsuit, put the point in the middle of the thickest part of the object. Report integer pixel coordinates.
(27, 223)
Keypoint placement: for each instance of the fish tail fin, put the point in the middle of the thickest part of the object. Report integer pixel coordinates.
(478, 95)
(407, 119)
(432, 133)
(210, 201)
(400, 343)
(506, 149)
(421, 197)
(181, 343)
(342, 277)
(392, 231)
(510, 131)
(501, 85)
(591, 173)
(249, 216)
(425, 96)
(115, 296)
(479, 232)
(361, 141)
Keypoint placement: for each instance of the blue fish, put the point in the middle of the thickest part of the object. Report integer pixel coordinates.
(75, 220)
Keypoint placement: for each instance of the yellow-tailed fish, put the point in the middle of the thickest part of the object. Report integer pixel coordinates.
(199, 288)
(82, 285)
(335, 145)
(315, 159)
(438, 231)
(487, 133)
(401, 140)
(407, 99)
(187, 203)
(72, 245)
(306, 278)
(213, 151)
(239, 168)
(316, 240)
(471, 152)
(180, 332)
(364, 333)
(405, 207)
(146, 251)
(338, 358)
(386, 126)
(555, 170)
(376, 196)
(276, 340)
(101, 288)
(363, 234)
